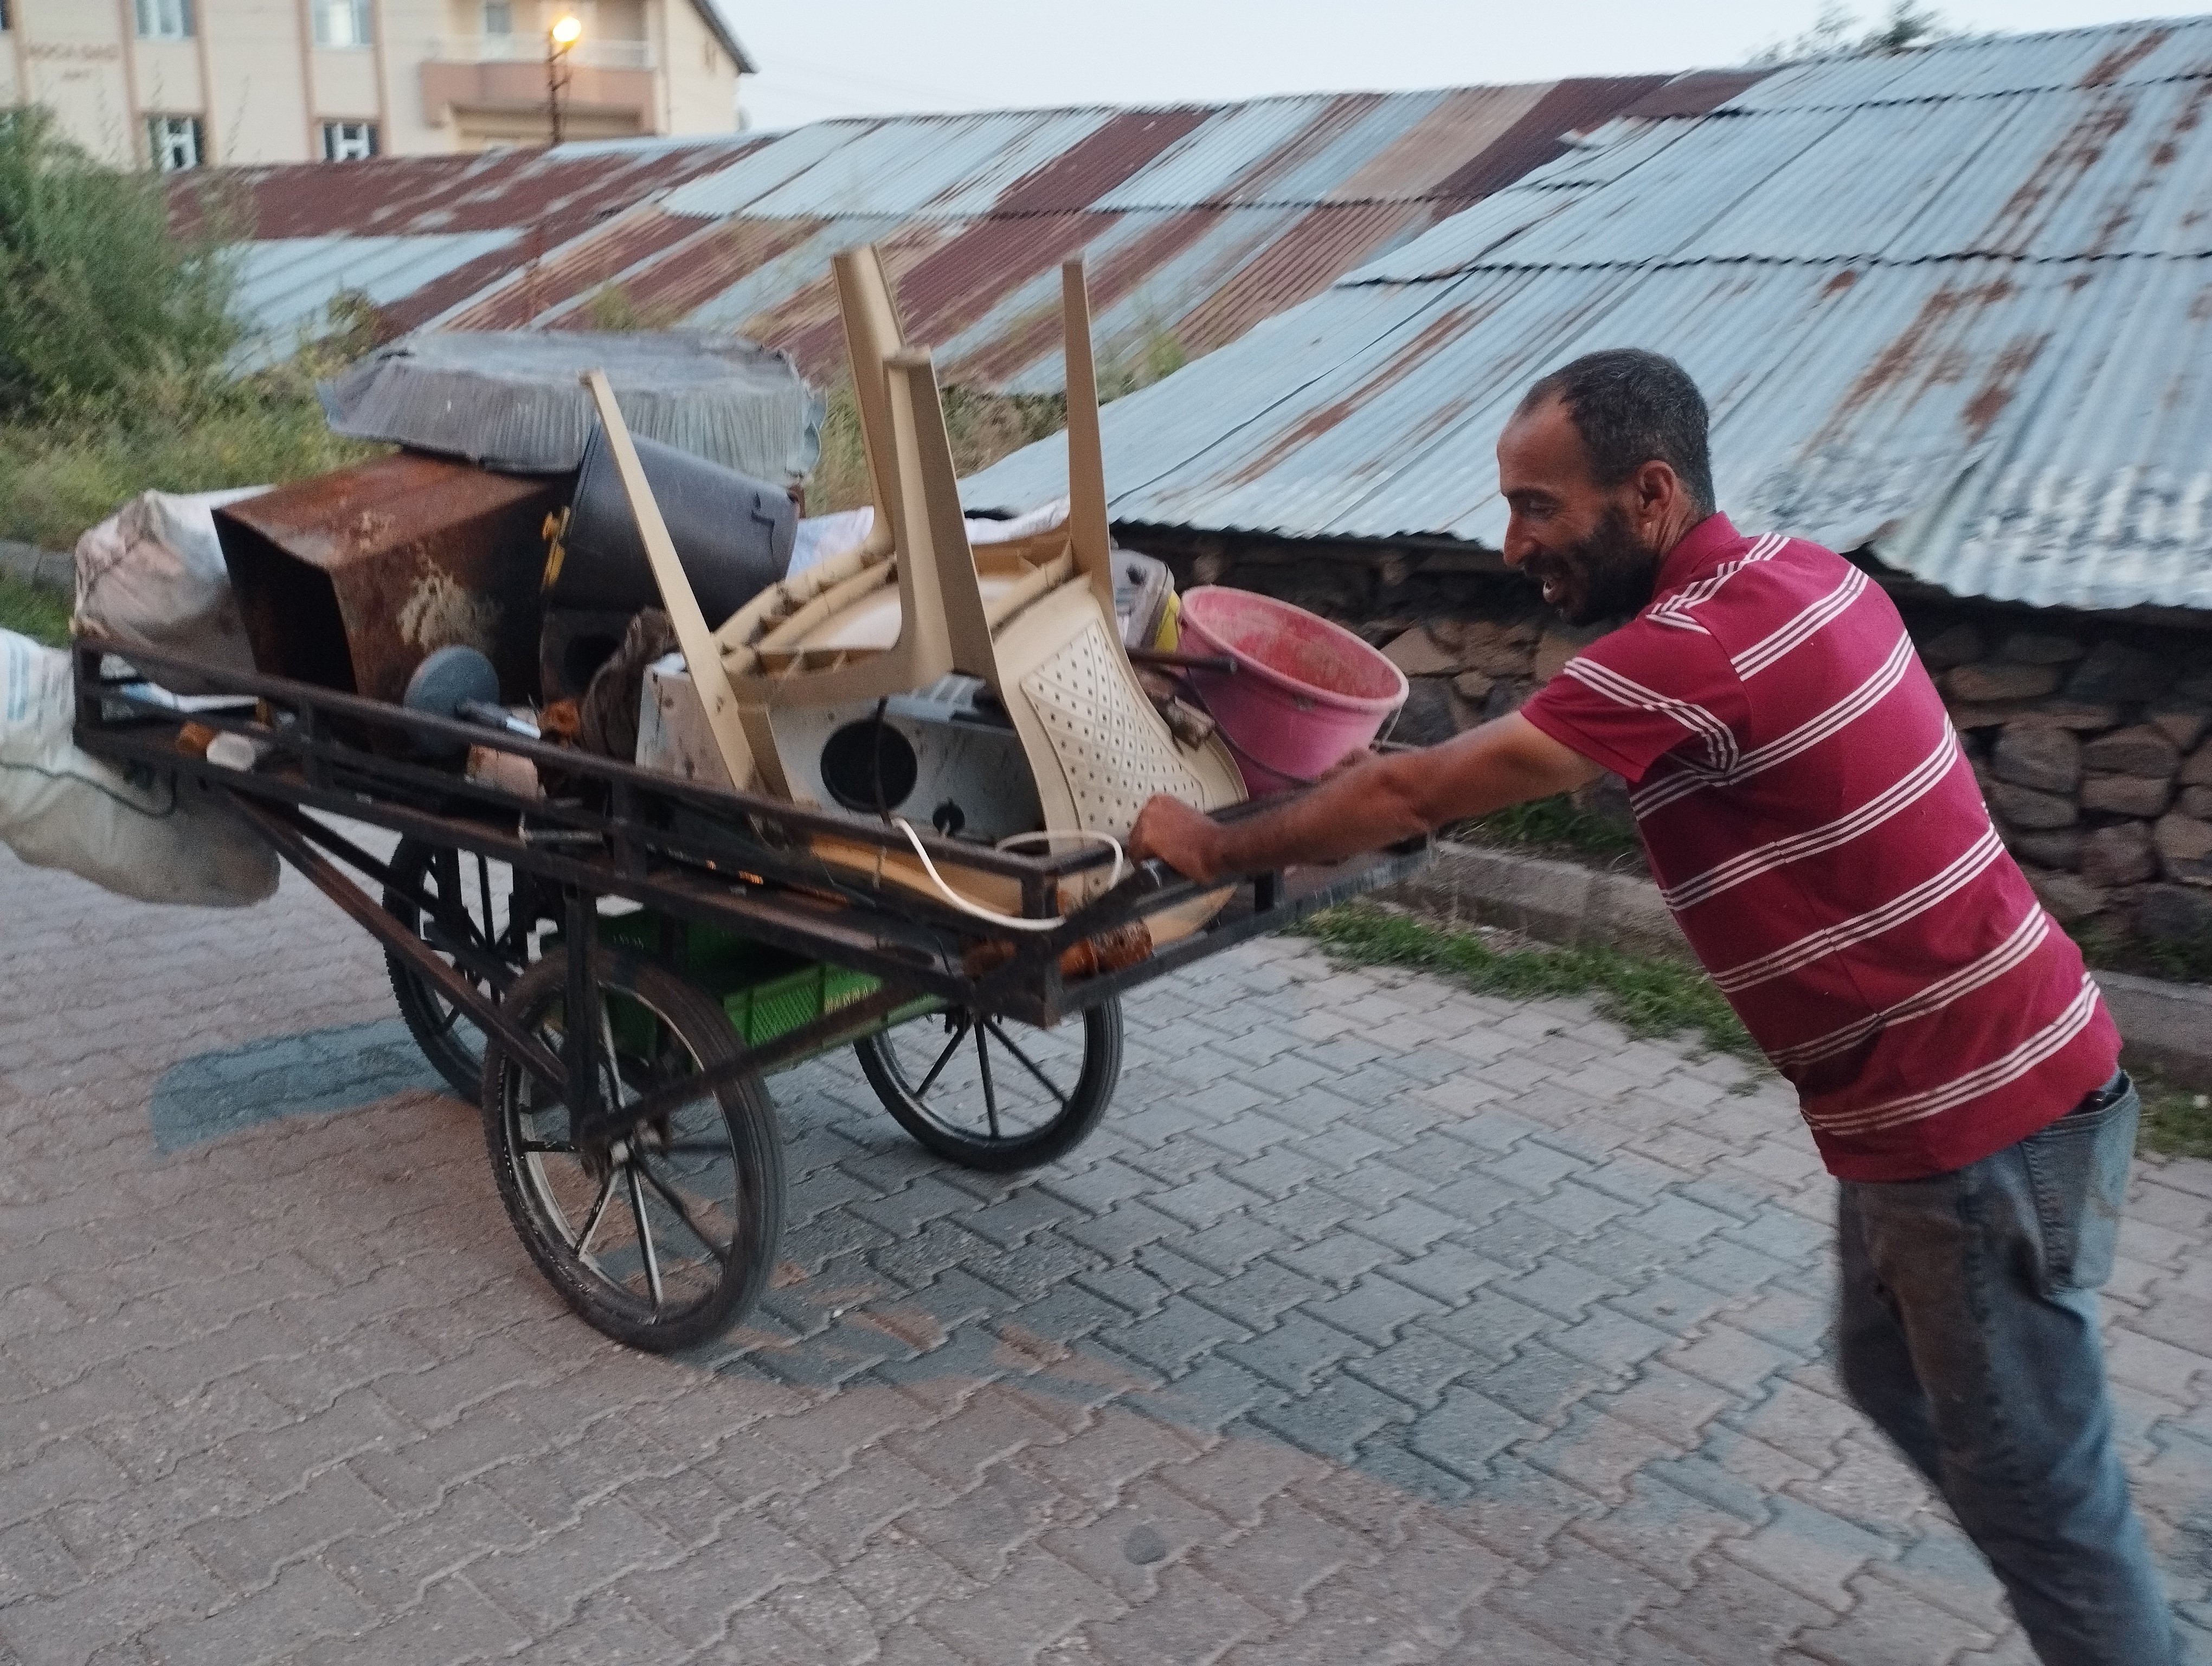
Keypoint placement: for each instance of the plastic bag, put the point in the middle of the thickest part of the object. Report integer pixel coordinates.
(148, 836)
(152, 575)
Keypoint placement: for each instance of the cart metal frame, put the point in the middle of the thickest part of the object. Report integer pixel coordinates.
(695, 854)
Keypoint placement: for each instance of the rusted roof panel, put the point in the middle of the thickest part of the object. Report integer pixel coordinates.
(1955, 305)
(1196, 220)
(1459, 126)
(576, 272)
(1272, 150)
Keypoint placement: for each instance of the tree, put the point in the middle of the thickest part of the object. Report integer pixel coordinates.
(95, 293)
(1832, 34)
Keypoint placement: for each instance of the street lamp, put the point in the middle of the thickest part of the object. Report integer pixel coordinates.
(559, 40)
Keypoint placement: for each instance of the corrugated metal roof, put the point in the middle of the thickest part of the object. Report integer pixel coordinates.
(286, 284)
(1196, 220)
(1955, 304)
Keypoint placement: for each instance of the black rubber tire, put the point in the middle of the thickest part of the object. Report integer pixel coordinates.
(725, 1285)
(453, 1044)
(964, 1135)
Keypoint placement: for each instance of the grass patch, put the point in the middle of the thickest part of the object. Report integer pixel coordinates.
(2177, 1122)
(1643, 997)
(34, 611)
(1555, 823)
(57, 478)
(2106, 946)
(982, 427)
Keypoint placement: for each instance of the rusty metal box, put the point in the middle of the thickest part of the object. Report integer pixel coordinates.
(349, 580)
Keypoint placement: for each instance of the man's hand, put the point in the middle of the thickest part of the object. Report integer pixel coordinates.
(1187, 840)
(1367, 802)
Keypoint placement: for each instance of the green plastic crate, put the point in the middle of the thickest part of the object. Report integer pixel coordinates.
(765, 991)
(761, 1011)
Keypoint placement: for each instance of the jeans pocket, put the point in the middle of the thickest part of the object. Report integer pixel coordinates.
(2079, 1167)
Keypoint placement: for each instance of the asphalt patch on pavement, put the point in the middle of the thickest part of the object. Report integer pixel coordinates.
(316, 1072)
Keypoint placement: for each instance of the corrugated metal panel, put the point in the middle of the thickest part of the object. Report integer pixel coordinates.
(773, 163)
(1572, 106)
(1208, 163)
(1301, 262)
(2117, 55)
(1196, 221)
(1441, 139)
(284, 284)
(576, 272)
(952, 166)
(1954, 304)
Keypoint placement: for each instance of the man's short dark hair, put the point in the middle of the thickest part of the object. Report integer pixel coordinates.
(1630, 406)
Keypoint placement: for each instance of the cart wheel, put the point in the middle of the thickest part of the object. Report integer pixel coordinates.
(665, 1237)
(483, 890)
(994, 1094)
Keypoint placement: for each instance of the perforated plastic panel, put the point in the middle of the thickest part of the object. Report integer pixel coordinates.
(1113, 751)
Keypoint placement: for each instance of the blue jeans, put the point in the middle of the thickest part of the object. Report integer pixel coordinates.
(1968, 1329)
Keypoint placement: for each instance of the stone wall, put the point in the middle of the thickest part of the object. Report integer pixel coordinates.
(2093, 746)
(2091, 734)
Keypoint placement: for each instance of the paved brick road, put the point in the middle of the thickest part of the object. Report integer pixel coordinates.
(1380, 1323)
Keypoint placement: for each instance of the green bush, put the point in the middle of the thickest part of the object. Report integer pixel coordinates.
(113, 334)
(95, 294)
(57, 479)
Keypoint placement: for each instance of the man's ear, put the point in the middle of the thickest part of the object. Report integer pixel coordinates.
(1658, 488)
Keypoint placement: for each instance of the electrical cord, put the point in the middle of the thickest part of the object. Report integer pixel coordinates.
(1018, 922)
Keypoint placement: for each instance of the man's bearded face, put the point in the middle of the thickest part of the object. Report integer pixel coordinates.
(1607, 574)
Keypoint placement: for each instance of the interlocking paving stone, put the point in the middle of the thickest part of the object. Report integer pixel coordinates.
(1379, 1321)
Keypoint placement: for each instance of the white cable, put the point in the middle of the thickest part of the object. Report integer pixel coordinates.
(1017, 921)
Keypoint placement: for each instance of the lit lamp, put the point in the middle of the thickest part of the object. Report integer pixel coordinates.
(559, 40)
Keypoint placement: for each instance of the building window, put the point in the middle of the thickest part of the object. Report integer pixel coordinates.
(348, 141)
(4, 16)
(498, 17)
(165, 19)
(342, 22)
(176, 141)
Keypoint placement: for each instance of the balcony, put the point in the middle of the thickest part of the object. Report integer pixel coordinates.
(493, 88)
(531, 49)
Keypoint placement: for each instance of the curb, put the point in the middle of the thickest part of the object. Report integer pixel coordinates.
(1558, 902)
(2167, 1026)
(50, 569)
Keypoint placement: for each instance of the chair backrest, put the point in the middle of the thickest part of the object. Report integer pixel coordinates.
(1087, 528)
(941, 624)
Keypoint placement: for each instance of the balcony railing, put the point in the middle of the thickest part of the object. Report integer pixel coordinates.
(531, 49)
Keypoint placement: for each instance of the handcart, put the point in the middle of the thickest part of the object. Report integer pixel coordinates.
(613, 969)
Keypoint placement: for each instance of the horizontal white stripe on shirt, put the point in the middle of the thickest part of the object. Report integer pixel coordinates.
(1694, 595)
(1908, 790)
(2025, 939)
(1772, 648)
(1807, 735)
(1720, 740)
(1933, 1102)
(1907, 905)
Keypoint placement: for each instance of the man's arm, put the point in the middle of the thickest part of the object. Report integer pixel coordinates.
(1378, 800)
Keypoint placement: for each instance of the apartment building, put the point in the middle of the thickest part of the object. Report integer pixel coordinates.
(178, 84)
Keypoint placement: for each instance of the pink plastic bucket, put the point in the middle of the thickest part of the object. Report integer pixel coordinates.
(1305, 693)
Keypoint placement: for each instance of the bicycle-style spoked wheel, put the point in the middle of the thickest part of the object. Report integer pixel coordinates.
(664, 1236)
(476, 897)
(993, 1094)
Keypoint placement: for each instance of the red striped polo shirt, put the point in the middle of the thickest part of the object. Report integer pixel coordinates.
(1821, 837)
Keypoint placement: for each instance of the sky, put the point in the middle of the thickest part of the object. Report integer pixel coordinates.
(837, 58)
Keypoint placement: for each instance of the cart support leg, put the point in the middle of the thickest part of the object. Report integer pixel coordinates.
(580, 1045)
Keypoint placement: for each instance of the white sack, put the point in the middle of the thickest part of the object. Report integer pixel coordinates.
(152, 575)
(154, 839)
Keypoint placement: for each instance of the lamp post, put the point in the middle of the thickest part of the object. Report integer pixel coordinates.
(559, 40)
